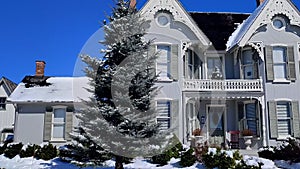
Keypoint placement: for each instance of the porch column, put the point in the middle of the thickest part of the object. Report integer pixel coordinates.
(264, 125)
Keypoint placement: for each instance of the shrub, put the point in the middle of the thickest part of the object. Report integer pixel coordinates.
(47, 152)
(82, 156)
(187, 158)
(29, 151)
(12, 150)
(2, 148)
(219, 159)
(289, 151)
(165, 157)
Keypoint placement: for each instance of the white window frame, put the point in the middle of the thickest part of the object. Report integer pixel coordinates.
(168, 64)
(3, 104)
(282, 46)
(168, 118)
(58, 123)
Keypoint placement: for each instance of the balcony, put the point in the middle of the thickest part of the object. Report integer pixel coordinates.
(235, 85)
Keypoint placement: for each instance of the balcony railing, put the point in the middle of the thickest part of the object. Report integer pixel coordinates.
(254, 85)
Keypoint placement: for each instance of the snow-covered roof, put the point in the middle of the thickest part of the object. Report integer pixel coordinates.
(60, 89)
(240, 32)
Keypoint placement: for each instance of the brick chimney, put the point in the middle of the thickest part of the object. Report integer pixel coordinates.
(258, 2)
(39, 68)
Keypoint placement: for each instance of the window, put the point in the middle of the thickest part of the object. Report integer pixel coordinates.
(214, 64)
(280, 62)
(163, 19)
(248, 117)
(249, 65)
(163, 118)
(283, 119)
(163, 62)
(193, 121)
(2, 103)
(278, 22)
(193, 65)
(58, 123)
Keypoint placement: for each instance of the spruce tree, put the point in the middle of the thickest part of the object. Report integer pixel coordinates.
(121, 118)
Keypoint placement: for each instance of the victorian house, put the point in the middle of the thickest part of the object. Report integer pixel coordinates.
(225, 73)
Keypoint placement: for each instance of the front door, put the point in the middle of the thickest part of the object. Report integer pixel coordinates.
(216, 124)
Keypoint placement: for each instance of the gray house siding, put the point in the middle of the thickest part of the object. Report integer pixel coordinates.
(279, 91)
(32, 127)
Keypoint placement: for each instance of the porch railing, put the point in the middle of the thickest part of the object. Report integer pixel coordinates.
(254, 85)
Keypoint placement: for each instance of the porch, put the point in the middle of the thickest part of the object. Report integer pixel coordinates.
(218, 118)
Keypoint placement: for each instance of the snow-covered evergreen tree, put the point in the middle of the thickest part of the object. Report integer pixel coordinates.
(121, 118)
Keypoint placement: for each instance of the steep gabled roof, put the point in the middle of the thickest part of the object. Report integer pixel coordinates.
(218, 27)
(179, 13)
(262, 16)
(9, 84)
(240, 33)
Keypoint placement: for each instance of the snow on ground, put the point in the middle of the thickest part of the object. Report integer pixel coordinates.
(138, 163)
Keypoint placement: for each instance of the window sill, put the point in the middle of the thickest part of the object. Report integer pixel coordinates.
(167, 80)
(58, 140)
(281, 81)
(283, 138)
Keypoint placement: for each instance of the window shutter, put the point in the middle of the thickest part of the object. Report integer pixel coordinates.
(273, 119)
(47, 125)
(174, 112)
(269, 63)
(291, 64)
(151, 53)
(69, 125)
(296, 119)
(174, 62)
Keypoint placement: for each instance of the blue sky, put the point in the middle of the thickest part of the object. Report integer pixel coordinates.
(56, 30)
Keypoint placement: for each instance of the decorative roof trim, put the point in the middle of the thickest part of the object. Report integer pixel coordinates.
(262, 16)
(178, 12)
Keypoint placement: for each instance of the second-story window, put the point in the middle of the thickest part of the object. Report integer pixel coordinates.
(280, 63)
(249, 64)
(194, 65)
(214, 66)
(2, 103)
(163, 62)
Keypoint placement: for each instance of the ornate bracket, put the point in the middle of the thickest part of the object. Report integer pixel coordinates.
(185, 45)
(258, 46)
